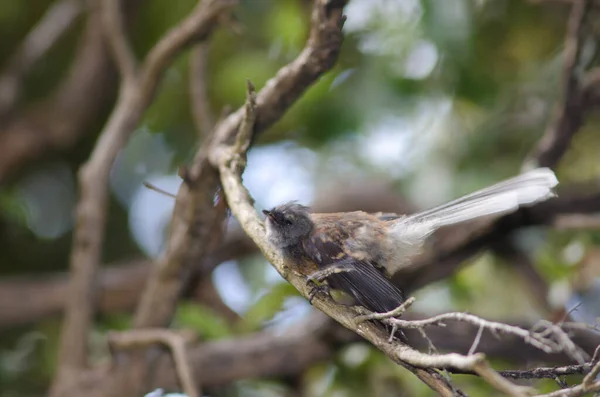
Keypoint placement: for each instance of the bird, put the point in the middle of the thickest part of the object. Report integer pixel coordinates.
(357, 252)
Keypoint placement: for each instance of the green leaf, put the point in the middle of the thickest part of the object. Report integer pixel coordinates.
(203, 320)
(268, 305)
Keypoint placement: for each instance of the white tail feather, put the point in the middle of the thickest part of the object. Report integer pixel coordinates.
(502, 198)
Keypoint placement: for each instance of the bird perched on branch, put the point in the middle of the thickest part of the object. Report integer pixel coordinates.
(357, 252)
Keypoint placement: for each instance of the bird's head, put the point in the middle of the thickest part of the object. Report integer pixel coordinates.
(287, 224)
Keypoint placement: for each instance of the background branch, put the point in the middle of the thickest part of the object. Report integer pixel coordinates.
(41, 128)
(57, 20)
(573, 106)
(114, 29)
(135, 96)
(176, 342)
(194, 217)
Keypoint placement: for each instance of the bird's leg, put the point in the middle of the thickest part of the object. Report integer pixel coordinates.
(321, 275)
(334, 268)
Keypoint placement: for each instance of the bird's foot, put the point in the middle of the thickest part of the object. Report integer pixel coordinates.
(317, 288)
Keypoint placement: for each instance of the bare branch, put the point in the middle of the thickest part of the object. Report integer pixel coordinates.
(159, 190)
(547, 372)
(274, 354)
(475, 363)
(392, 313)
(545, 336)
(476, 341)
(114, 28)
(279, 93)
(571, 110)
(194, 28)
(54, 23)
(93, 181)
(175, 341)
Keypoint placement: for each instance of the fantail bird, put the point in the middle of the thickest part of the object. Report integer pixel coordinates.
(357, 252)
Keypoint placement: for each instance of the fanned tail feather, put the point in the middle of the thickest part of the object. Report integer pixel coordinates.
(502, 198)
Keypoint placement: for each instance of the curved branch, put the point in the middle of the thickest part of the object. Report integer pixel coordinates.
(573, 106)
(133, 100)
(113, 21)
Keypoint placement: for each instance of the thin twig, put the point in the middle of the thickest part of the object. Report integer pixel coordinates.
(392, 313)
(561, 383)
(534, 339)
(159, 190)
(476, 341)
(563, 341)
(545, 336)
(430, 345)
(547, 372)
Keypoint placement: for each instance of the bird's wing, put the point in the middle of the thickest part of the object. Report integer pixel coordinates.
(364, 282)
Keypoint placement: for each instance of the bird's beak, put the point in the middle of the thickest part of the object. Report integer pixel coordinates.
(267, 213)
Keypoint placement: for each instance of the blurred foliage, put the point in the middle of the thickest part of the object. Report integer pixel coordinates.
(204, 321)
(460, 89)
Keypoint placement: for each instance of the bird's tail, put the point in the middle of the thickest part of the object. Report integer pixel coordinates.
(501, 198)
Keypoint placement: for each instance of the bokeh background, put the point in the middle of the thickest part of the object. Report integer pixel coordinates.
(430, 99)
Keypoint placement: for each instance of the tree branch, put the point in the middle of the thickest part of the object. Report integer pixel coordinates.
(175, 341)
(573, 106)
(114, 28)
(274, 354)
(59, 17)
(133, 99)
(186, 242)
(41, 127)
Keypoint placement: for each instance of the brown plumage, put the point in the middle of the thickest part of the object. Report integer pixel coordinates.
(332, 242)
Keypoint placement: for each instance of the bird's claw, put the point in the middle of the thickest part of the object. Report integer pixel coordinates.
(315, 289)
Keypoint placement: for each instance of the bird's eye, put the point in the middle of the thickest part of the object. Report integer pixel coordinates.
(288, 222)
